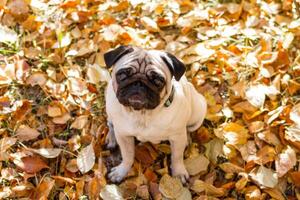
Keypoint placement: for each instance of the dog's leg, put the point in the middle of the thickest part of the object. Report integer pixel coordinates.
(110, 139)
(126, 145)
(178, 144)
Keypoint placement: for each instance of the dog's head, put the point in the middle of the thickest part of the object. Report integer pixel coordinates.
(142, 78)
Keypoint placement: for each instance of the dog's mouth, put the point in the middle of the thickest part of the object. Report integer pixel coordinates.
(138, 95)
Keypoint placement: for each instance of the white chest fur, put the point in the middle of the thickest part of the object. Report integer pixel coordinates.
(161, 123)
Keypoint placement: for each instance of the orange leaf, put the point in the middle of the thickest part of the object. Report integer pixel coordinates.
(22, 110)
(69, 4)
(295, 176)
(143, 155)
(32, 164)
(44, 188)
(150, 175)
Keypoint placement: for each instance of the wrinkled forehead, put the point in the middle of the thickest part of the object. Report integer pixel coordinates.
(143, 60)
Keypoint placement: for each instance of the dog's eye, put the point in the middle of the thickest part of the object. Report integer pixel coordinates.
(156, 79)
(123, 74)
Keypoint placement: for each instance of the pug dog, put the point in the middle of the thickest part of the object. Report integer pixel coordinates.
(150, 99)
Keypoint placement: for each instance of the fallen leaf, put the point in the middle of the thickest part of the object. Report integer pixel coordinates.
(18, 7)
(77, 86)
(235, 134)
(264, 176)
(31, 164)
(197, 164)
(143, 155)
(44, 188)
(274, 193)
(286, 160)
(149, 24)
(5, 144)
(111, 192)
(47, 152)
(80, 122)
(170, 187)
(185, 195)
(25, 133)
(200, 186)
(295, 114)
(214, 148)
(256, 94)
(231, 168)
(37, 78)
(265, 155)
(142, 192)
(62, 119)
(86, 159)
(95, 74)
(72, 165)
(54, 111)
(7, 35)
(295, 176)
(64, 40)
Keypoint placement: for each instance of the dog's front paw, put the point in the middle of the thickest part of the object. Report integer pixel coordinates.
(180, 171)
(118, 173)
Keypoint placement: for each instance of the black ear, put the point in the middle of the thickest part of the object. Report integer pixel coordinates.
(176, 67)
(113, 56)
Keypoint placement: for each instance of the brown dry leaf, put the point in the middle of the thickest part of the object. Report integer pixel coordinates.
(170, 187)
(5, 144)
(18, 8)
(149, 24)
(72, 166)
(44, 188)
(252, 192)
(295, 114)
(77, 86)
(37, 78)
(185, 195)
(241, 183)
(31, 164)
(143, 155)
(200, 186)
(80, 122)
(7, 35)
(265, 155)
(286, 160)
(231, 168)
(295, 176)
(25, 133)
(86, 159)
(196, 164)
(111, 192)
(214, 148)
(256, 126)
(95, 74)
(54, 110)
(62, 119)
(22, 190)
(264, 176)
(275, 193)
(235, 134)
(47, 152)
(256, 94)
(143, 192)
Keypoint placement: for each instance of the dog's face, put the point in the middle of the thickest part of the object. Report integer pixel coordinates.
(142, 78)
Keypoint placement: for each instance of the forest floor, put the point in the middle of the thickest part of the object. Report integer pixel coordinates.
(243, 56)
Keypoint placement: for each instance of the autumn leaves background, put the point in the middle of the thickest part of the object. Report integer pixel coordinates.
(242, 55)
